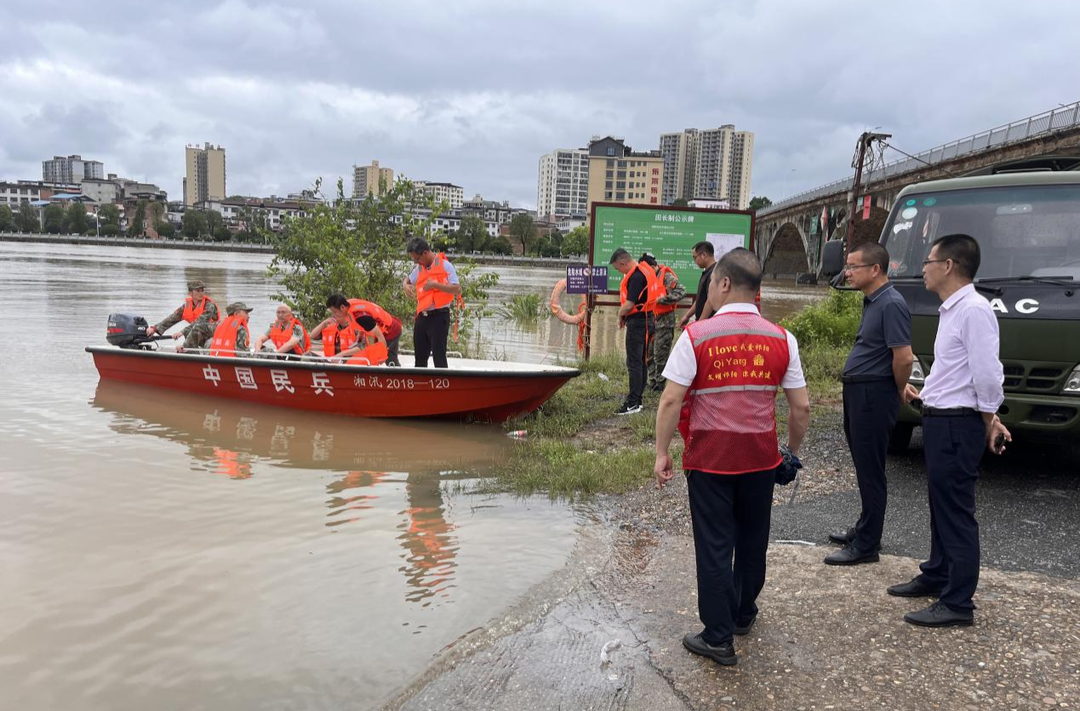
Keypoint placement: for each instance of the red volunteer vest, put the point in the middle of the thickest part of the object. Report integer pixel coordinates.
(654, 288)
(389, 324)
(192, 312)
(662, 309)
(728, 419)
(224, 340)
(280, 336)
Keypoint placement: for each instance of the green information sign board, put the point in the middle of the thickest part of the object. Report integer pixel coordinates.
(668, 233)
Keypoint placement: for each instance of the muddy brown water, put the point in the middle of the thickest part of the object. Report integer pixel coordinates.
(166, 550)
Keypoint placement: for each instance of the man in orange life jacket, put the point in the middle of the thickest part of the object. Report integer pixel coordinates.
(660, 343)
(201, 314)
(434, 284)
(341, 335)
(286, 334)
(231, 337)
(389, 324)
(638, 293)
(723, 376)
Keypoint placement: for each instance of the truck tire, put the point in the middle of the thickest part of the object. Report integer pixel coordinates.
(900, 439)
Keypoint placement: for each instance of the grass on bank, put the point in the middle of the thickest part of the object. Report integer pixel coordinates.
(576, 446)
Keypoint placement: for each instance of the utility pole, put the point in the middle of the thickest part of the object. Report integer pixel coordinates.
(865, 140)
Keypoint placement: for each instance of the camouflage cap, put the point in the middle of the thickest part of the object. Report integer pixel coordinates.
(195, 284)
(237, 306)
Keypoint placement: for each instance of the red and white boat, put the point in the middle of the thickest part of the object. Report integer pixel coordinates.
(467, 390)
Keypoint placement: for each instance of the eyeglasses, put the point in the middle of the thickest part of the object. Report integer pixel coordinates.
(853, 267)
(933, 261)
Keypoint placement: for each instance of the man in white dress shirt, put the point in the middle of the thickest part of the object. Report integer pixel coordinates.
(959, 401)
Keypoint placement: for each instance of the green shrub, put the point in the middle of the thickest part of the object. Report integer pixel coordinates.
(523, 308)
(833, 321)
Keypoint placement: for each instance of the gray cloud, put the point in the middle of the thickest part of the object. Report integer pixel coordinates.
(475, 91)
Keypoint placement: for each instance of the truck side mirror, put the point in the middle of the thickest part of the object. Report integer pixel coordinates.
(832, 261)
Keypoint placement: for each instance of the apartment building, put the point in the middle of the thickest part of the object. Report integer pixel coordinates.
(563, 184)
(618, 174)
(205, 174)
(368, 179)
(71, 169)
(709, 164)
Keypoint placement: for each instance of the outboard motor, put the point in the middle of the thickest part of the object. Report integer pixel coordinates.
(128, 331)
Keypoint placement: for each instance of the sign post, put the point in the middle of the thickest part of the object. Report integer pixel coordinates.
(668, 233)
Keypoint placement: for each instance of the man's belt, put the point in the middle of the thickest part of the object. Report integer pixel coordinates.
(948, 411)
(866, 378)
(429, 312)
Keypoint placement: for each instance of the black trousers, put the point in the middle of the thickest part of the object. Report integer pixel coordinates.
(429, 337)
(392, 351)
(638, 331)
(731, 515)
(870, 411)
(953, 447)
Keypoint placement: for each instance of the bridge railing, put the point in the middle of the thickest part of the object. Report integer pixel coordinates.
(1061, 118)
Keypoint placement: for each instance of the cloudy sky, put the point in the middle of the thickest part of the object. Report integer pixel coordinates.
(474, 91)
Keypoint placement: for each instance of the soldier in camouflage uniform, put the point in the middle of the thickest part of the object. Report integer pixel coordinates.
(201, 330)
(660, 344)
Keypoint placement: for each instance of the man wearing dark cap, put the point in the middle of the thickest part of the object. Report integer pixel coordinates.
(231, 337)
(637, 294)
(199, 311)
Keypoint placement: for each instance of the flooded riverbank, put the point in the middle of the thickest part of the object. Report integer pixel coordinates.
(168, 550)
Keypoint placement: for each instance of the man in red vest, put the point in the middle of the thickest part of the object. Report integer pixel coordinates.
(434, 284)
(723, 376)
(199, 311)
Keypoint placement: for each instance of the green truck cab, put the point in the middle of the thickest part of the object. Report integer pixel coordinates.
(1026, 218)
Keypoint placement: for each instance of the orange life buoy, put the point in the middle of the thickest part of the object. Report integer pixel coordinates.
(572, 319)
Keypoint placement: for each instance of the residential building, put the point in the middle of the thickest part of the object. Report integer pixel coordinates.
(102, 191)
(271, 211)
(618, 174)
(563, 185)
(367, 180)
(489, 210)
(205, 174)
(710, 164)
(71, 169)
(453, 194)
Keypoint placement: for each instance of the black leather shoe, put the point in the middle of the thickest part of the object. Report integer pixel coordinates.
(850, 556)
(843, 538)
(721, 653)
(913, 588)
(745, 629)
(940, 615)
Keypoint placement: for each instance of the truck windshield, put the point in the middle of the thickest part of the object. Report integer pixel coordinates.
(1022, 231)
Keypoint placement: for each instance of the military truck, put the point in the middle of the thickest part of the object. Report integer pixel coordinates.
(1026, 218)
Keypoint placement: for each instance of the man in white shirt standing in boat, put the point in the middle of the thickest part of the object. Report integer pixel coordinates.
(959, 404)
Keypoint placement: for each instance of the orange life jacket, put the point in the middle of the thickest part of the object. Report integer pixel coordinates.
(336, 338)
(224, 340)
(728, 418)
(389, 324)
(192, 312)
(654, 289)
(662, 309)
(280, 336)
(374, 353)
(427, 299)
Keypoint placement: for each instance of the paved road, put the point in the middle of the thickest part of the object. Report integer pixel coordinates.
(1028, 511)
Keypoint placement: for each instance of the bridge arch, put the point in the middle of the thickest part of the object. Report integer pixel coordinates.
(787, 253)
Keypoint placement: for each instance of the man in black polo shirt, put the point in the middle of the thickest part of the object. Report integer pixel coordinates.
(636, 316)
(875, 376)
(704, 258)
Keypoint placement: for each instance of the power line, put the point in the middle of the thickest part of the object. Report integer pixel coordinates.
(916, 158)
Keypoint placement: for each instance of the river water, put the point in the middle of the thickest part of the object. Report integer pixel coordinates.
(171, 551)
